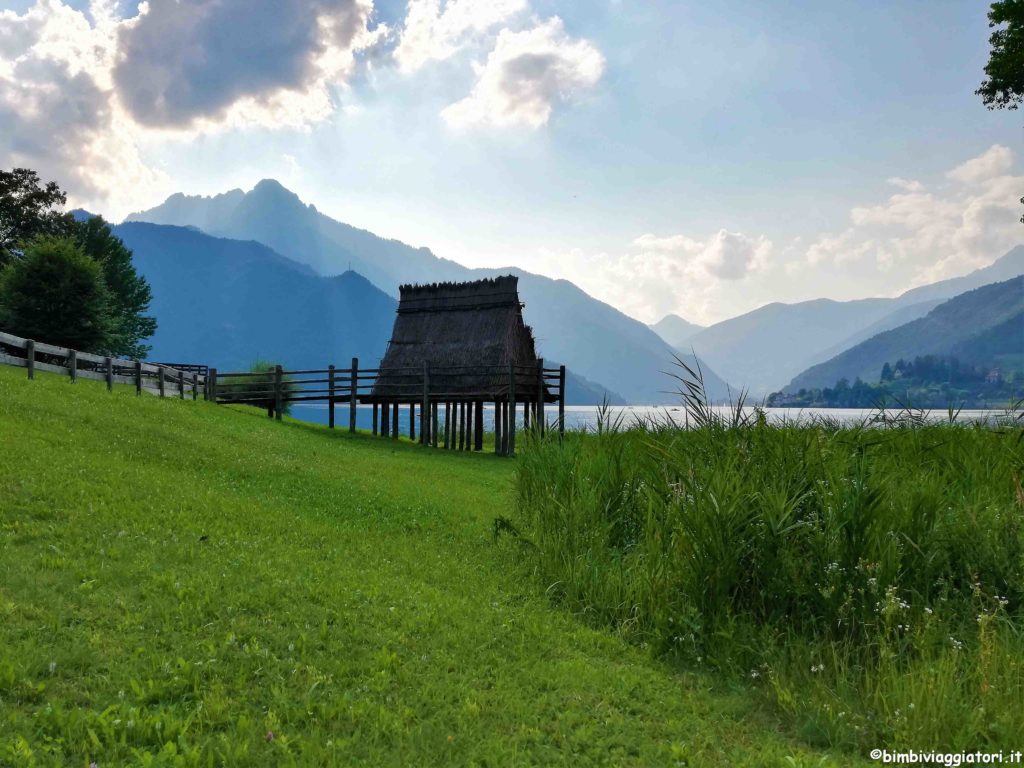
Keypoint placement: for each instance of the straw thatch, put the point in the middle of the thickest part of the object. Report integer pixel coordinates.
(468, 334)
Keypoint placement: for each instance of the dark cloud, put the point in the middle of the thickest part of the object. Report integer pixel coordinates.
(50, 117)
(187, 59)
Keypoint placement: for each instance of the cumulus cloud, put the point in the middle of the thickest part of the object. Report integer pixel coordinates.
(432, 32)
(662, 274)
(923, 234)
(994, 162)
(527, 74)
(184, 60)
(56, 106)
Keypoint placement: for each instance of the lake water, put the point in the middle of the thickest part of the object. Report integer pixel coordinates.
(586, 416)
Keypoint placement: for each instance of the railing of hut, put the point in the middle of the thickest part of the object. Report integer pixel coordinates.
(442, 411)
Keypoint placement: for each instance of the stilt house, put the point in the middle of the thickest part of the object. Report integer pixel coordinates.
(454, 347)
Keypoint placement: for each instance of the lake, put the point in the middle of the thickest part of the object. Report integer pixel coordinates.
(586, 416)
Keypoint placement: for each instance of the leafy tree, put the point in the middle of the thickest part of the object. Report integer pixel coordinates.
(28, 210)
(1004, 86)
(130, 294)
(887, 372)
(55, 293)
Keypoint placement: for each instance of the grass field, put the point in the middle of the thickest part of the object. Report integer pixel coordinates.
(186, 584)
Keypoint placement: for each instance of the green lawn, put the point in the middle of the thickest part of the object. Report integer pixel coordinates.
(187, 584)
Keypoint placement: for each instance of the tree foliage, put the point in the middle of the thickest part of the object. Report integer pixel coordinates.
(29, 210)
(30, 213)
(130, 294)
(1003, 87)
(56, 293)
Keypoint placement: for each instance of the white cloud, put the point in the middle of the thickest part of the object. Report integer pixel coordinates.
(674, 273)
(995, 161)
(433, 33)
(923, 235)
(526, 75)
(56, 105)
(910, 185)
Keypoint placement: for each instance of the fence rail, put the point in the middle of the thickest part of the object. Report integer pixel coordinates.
(450, 411)
(158, 379)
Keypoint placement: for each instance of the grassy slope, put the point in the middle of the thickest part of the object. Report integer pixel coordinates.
(177, 580)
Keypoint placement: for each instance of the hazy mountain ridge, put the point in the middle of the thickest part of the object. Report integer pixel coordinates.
(766, 348)
(595, 340)
(977, 327)
(676, 331)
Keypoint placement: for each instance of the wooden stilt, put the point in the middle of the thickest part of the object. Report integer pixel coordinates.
(447, 425)
(412, 422)
(478, 429)
(498, 431)
(385, 419)
(375, 409)
(394, 421)
(433, 419)
(462, 425)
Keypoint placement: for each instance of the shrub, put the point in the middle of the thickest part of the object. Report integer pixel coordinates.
(55, 293)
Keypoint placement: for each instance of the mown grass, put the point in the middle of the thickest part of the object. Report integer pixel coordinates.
(183, 584)
(868, 580)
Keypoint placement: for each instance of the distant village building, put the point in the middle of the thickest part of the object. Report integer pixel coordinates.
(455, 347)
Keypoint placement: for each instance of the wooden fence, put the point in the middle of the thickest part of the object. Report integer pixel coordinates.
(159, 379)
(444, 414)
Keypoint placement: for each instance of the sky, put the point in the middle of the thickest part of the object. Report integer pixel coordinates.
(700, 158)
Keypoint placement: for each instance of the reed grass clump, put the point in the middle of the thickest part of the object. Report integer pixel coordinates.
(869, 579)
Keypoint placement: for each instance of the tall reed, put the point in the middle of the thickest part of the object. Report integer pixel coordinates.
(869, 578)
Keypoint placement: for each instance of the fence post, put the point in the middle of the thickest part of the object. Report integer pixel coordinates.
(561, 401)
(352, 394)
(181, 384)
(330, 396)
(161, 381)
(540, 397)
(138, 377)
(110, 373)
(211, 383)
(73, 364)
(511, 409)
(278, 393)
(30, 358)
(195, 386)
(425, 409)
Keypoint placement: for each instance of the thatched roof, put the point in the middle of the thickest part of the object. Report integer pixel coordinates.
(468, 333)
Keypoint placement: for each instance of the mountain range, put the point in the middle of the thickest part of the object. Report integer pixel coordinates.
(984, 326)
(764, 350)
(619, 354)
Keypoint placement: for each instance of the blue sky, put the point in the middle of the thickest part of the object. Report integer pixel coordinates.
(702, 158)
